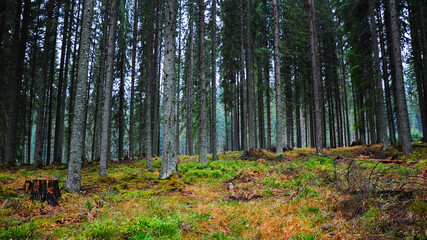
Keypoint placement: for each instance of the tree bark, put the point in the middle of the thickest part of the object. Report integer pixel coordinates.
(73, 80)
(44, 189)
(169, 155)
(132, 91)
(213, 140)
(391, 125)
(73, 182)
(400, 98)
(250, 79)
(18, 49)
(109, 79)
(382, 128)
(260, 96)
(268, 99)
(122, 104)
(148, 86)
(279, 134)
(189, 91)
(178, 82)
(243, 84)
(62, 87)
(418, 67)
(38, 148)
(423, 40)
(316, 76)
(203, 145)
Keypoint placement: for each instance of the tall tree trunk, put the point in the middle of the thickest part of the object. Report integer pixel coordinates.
(419, 21)
(156, 85)
(423, 29)
(268, 99)
(148, 86)
(279, 134)
(250, 79)
(382, 128)
(189, 91)
(391, 125)
(235, 112)
(178, 82)
(19, 46)
(73, 79)
(400, 98)
(169, 155)
(122, 105)
(297, 111)
(418, 67)
(260, 95)
(62, 86)
(203, 145)
(132, 90)
(109, 77)
(38, 148)
(316, 76)
(73, 181)
(213, 140)
(243, 84)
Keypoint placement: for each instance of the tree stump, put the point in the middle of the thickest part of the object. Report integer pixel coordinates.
(44, 189)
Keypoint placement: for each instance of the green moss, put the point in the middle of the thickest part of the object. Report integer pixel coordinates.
(106, 179)
(24, 231)
(172, 183)
(155, 227)
(8, 193)
(102, 230)
(157, 163)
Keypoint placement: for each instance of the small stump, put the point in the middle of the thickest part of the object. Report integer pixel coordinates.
(44, 189)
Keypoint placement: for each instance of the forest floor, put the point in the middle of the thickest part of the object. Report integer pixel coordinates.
(348, 193)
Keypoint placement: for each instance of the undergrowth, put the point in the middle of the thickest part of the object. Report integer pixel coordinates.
(348, 193)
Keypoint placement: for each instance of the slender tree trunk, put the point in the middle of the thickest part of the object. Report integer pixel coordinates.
(418, 67)
(260, 95)
(73, 80)
(382, 128)
(73, 181)
(122, 105)
(203, 147)
(279, 134)
(169, 155)
(268, 99)
(297, 111)
(132, 91)
(391, 126)
(19, 46)
(109, 77)
(38, 148)
(316, 76)
(148, 93)
(156, 85)
(243, 84)
(213, 86)
(62, 86)
(250, 79)
(189, 90)
(422, 25)
(50, 100)
(235, 112)
(227, 134)
(178, 82)
(400, 98)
